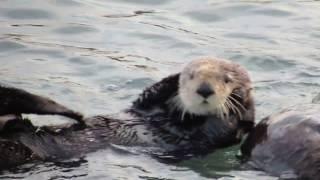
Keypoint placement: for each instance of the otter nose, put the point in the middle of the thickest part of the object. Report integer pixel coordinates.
(205, 90)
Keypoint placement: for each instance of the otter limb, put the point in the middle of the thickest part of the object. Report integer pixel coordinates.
(16, 102)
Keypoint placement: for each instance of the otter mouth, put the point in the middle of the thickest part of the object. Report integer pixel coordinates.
(205, 102)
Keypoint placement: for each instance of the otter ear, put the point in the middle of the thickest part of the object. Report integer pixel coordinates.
(158, 93)
(17, 101)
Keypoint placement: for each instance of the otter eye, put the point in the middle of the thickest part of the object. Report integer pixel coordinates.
(227, 79)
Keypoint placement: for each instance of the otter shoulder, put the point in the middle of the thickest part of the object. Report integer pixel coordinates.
(158, 93)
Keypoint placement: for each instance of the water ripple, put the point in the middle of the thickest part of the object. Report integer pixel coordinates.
(23, 14)
(96, 56)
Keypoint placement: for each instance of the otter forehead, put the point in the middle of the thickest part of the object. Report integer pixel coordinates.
(215, 68)
(208, 62)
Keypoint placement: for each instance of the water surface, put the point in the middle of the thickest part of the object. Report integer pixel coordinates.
(97, 55)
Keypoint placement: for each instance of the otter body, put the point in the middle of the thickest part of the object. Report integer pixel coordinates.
(286, 144)
(207, 106)
(23, 142)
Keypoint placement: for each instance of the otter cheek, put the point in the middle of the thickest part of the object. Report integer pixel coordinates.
(192, 93)
(186, 98)
(214, 103)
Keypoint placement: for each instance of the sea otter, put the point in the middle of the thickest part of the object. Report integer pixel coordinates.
(286, 144)
(208, 105)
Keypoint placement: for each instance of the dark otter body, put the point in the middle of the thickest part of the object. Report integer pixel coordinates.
(287, 144)
(148, 123)
(15, 132)
(17, 101)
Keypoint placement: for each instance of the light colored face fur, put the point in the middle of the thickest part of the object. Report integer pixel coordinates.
(221, 76)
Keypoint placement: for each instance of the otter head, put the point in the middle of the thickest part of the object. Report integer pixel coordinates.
(212, 87)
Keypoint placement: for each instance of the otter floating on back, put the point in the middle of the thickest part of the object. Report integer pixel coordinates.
(208, 105)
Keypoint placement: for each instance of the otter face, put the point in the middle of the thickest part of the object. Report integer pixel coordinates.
(206, 86)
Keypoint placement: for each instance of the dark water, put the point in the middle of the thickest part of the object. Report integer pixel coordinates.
(97, 55)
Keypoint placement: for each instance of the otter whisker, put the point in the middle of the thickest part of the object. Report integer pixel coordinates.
(183, 114)
(236, 108)
(223, 110)
(236, 94)
(236, 101)
(229, 105)
(226, 111)
(219, 109)
(226, 108)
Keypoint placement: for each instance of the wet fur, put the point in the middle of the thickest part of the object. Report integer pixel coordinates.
(17, 101)
(152, 122)
(286, 144)
(227, 79)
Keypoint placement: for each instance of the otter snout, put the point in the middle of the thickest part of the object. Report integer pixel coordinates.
(205, 90)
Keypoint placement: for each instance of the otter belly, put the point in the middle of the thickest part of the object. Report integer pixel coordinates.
(164, 135)
(286, 144)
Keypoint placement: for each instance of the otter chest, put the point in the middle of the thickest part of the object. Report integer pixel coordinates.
(166, 133)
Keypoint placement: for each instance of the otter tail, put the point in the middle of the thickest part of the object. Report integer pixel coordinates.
(16, 102)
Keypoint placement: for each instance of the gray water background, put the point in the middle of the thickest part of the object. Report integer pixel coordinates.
(97, 55)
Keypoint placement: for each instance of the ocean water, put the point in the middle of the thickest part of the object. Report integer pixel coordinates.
(96, 56)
